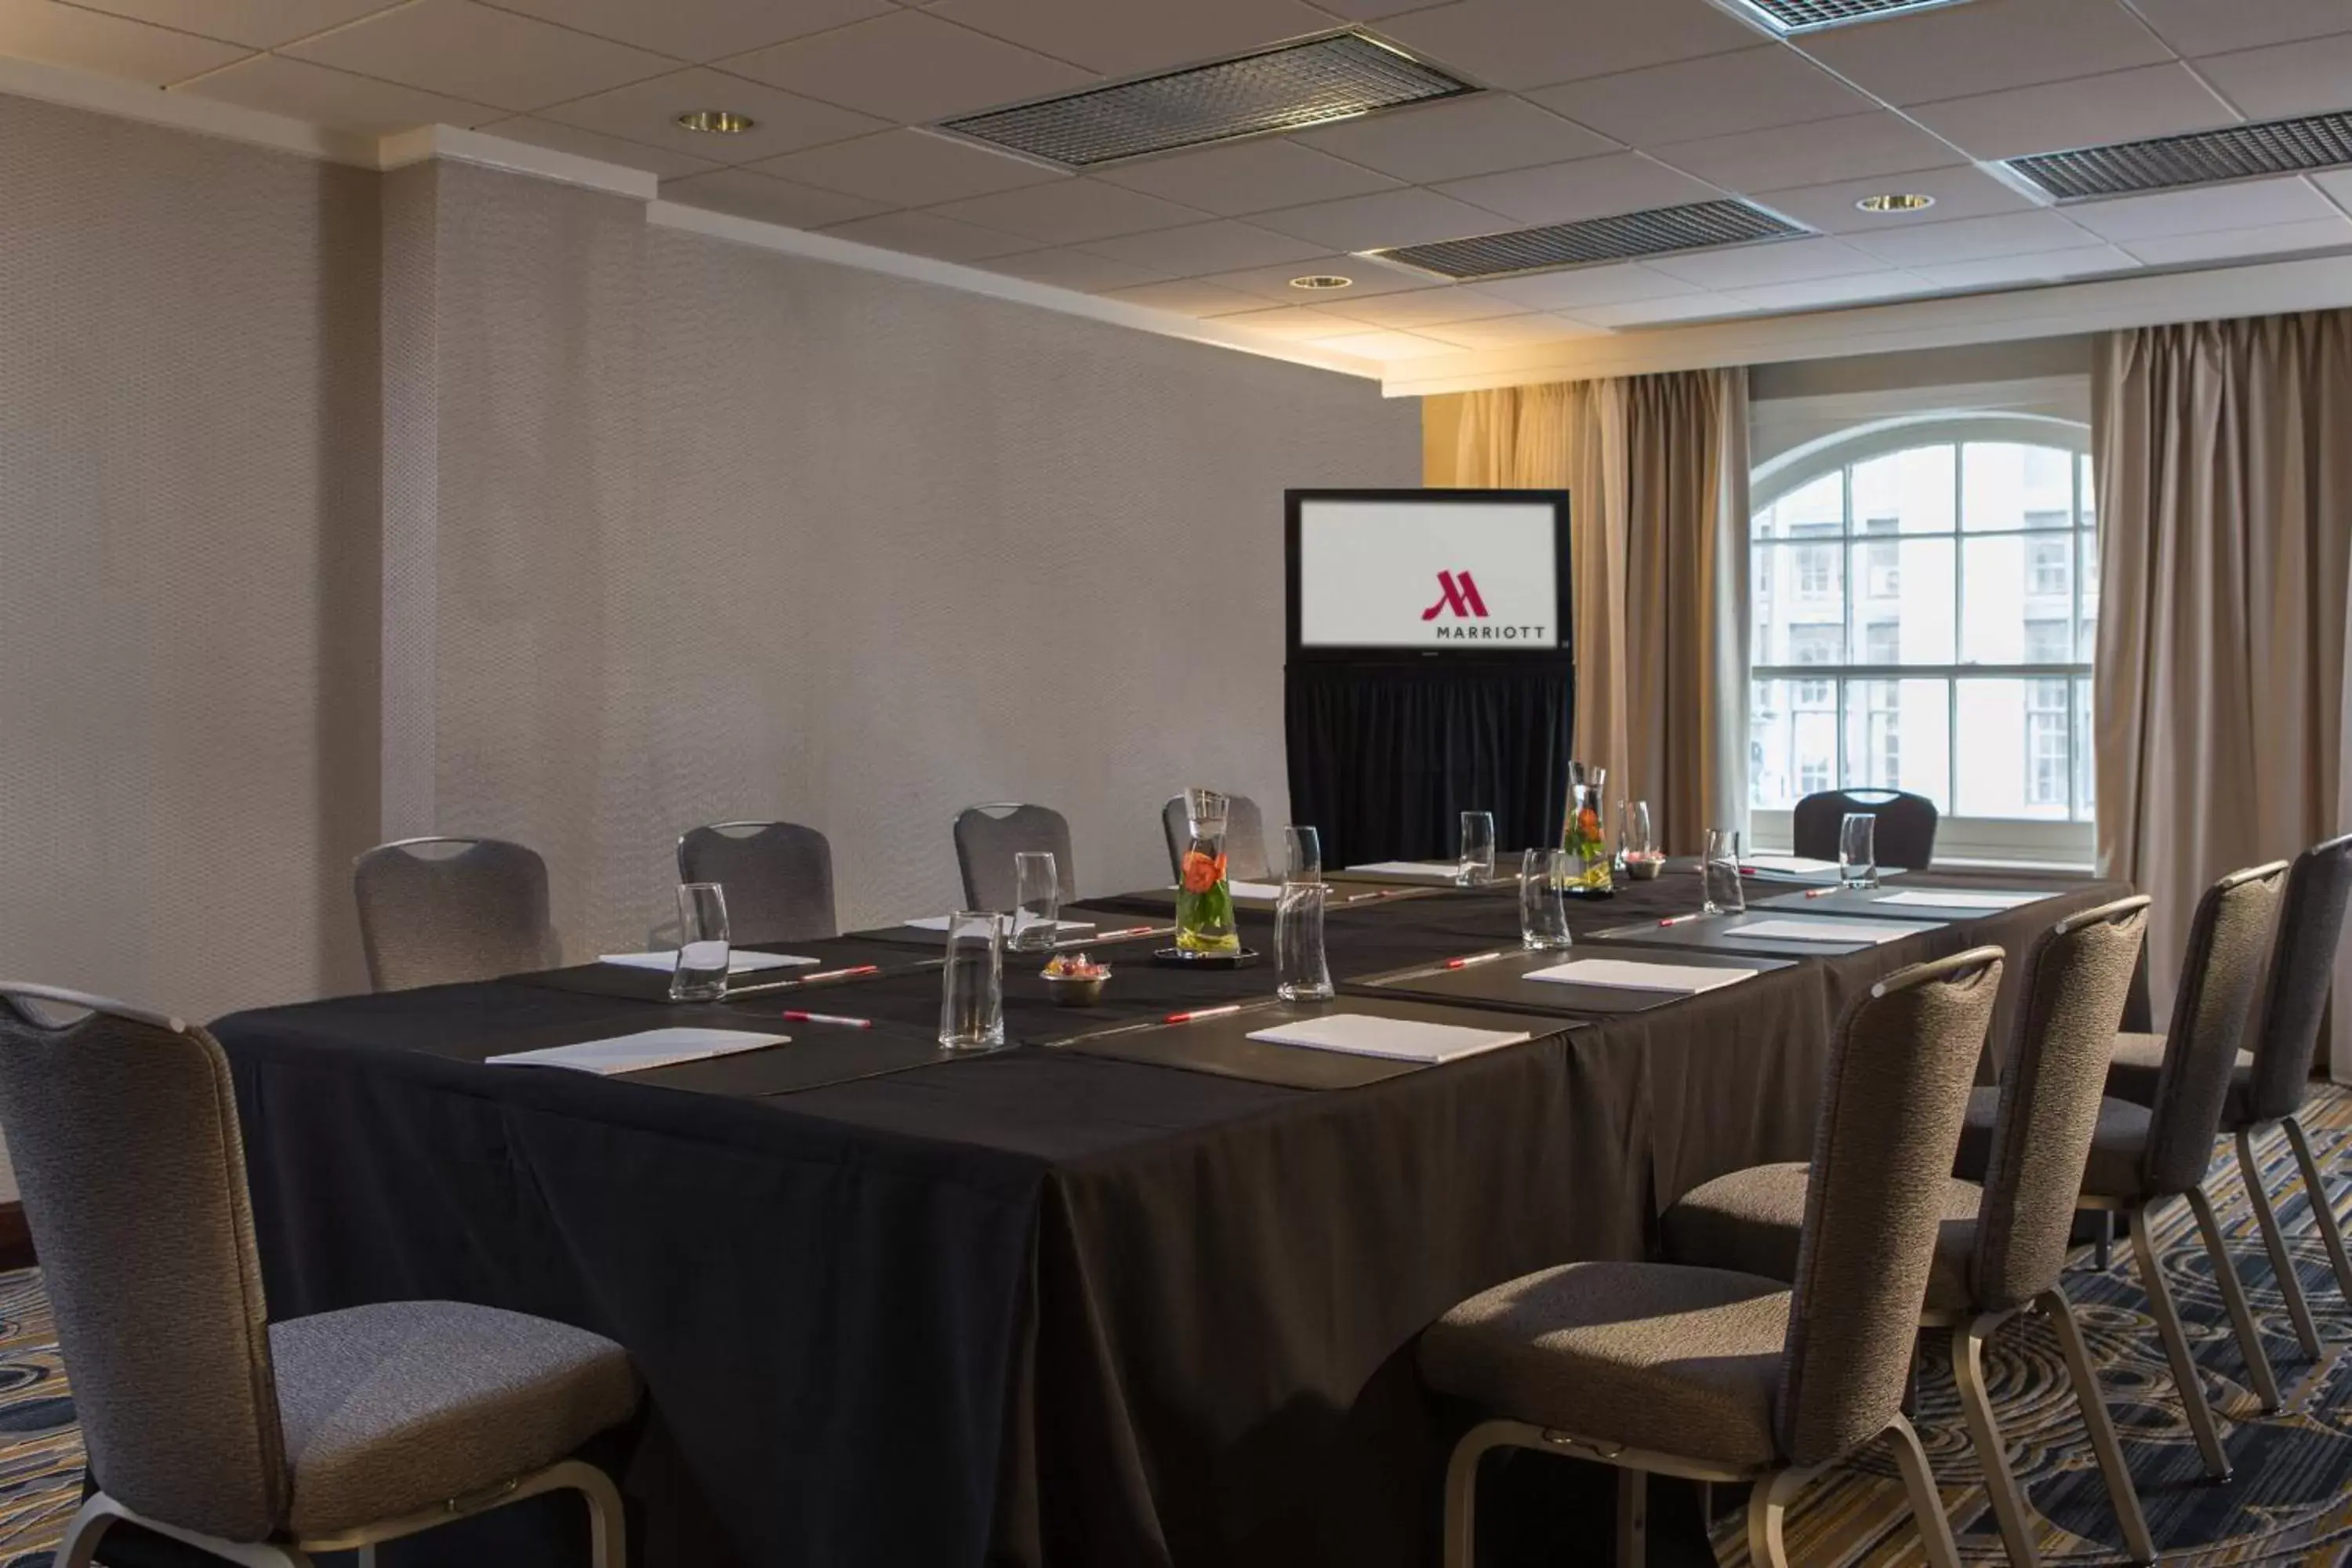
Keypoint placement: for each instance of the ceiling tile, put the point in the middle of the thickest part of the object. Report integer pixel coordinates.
(1963, 191)
(2123, 106)
(747, 194)
(1079, 269)
(2212, 26)
(908, 67)
(1070, 212)
(908, 168)
(1830, 293)
(1414, 310)
(699, 30)
(1247, 176)
(2254, 204)
(1957, 51)
(2276, 239)
(1120, 37)
(1571, 290)
(2006, 270)
(2290, 78)
(1851, 147)
(1654, 313)
(1297, 324)
(1589, 187)
(1192, 297)
(1372, 10)
(1509, 331)
(2337, 185)
(263, 23)
(1386, 345)
(1458, 137)
(928, 234)
(1534, 43)
(1780, 261)
(595, 144)
(86, 40)
(1203, 247)
(1974, 239)
(648, 111)
(1371, 278)
(1748, 90)
(334, 99)
(470, 51)
(1410, 216)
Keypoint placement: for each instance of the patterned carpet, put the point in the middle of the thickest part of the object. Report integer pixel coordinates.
(2291, 1502)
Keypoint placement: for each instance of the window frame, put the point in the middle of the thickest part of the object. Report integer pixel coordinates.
(2031, 839)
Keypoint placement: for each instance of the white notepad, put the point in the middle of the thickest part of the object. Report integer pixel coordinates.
(1825, 931)
(939, 922)
(1794, 864)
(635, 1052)
(1623, 975)
(738, 962)
(1411, 867)
(1951, 901)
(1266, 890)
(1403, 1039)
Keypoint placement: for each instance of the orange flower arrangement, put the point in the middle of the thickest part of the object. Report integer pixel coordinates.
(1201, 872)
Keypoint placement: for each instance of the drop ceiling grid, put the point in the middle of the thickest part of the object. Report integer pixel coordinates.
(1765, 130)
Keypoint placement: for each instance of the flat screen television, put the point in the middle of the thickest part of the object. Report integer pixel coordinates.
(1428, 572)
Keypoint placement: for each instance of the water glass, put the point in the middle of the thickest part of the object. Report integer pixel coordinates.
(1637, 846)
(1858, 850)
(1543, 911)
(1302, 854)
(971, 986)
(702, 949)
(1725, 896)
(1302, 973)
(1036, 899)
(1478, 865)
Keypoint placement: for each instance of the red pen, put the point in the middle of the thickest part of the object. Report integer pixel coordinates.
(791, 1016)
(1474, 958)
(1198, 1014)
(1823, 892)
(841, 974)
(1130, 930)
(1682, 919)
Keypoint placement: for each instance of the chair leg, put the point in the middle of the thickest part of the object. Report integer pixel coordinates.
(1768, 1511)
(80, 1544)
(2093, 1402)
(2234, 1296)
(2307, 1332)
(2323, 1207)
(1632, 1518)
(1926, 1506)
(608, 1532)
(1461, 1496)
(2175, 1348)
(2009, 1509)
(2102, 1247)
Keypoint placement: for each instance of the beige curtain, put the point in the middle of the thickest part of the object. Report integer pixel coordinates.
(1657, 467)
(2224, 465)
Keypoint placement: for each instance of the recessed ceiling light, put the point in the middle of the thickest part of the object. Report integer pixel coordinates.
(717, 122)
(1320, 280)
(1896, 202)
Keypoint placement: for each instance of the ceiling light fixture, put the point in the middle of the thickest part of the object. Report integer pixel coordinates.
(1896, 202)
(716, 122)
(1320, 280)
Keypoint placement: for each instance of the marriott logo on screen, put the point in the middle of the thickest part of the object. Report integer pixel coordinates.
(1457, 594)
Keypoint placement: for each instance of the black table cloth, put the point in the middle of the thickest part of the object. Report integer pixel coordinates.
(1039, 1307)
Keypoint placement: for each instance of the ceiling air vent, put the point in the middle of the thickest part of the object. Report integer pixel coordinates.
(1811, 15)
(1283, 88)
(2199, 158)
(1659, 232)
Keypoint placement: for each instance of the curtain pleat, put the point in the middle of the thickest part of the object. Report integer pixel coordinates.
(2224, 696)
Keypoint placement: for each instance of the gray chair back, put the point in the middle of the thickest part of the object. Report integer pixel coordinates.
(1245, 852)
(778, 877)
(2228, 938)
(988, 837)
(1893, 1097)
(122, 1128)
(2303, 961)
(1905, 834)
(2072, 987)
(433, 911)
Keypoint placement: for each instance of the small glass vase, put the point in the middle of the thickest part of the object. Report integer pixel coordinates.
(1585, 834)
(1204, 901)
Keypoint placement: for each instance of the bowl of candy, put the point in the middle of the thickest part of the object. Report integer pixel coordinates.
(1643, 865)
(1074, 980)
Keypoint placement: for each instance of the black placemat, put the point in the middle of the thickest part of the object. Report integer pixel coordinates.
(1222, 1045)
(813, 1056)
(1865, 903)
(1503, 983)
(1722, 933)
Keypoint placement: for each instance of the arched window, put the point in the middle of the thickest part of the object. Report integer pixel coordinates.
(1925, 598)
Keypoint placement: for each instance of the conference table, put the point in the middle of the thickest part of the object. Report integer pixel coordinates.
(1123, 1292)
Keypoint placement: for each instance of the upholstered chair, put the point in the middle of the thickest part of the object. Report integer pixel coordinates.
(778, 877)
(1720, 1375)
(987, 837)
(1245, 853)
(259, 1442)
(2002, 1246)
(435, 911)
